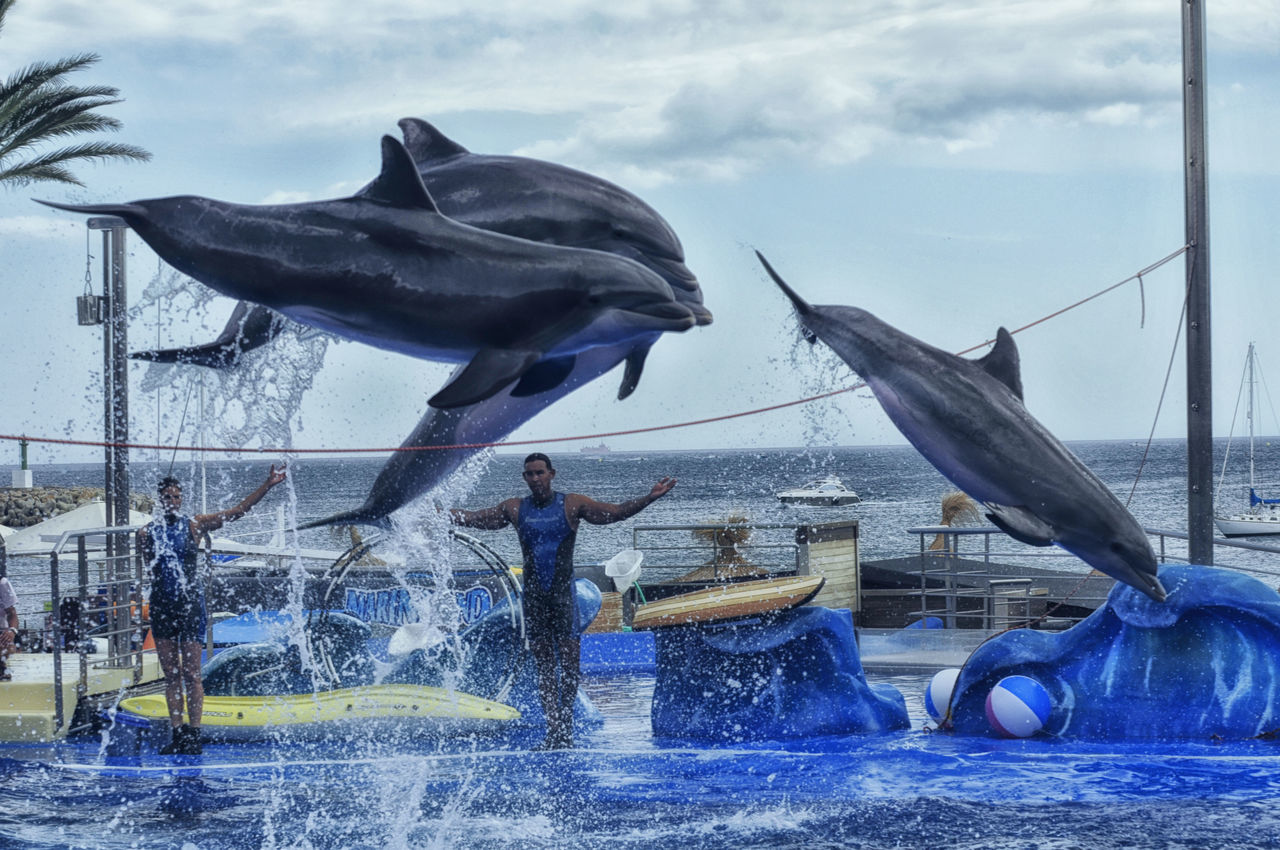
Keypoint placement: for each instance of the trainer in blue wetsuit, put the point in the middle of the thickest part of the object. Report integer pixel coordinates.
(170, 546)
(547, 524)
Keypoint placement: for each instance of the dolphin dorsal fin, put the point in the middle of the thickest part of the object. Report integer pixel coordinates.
(1001, 362)
(426, 143)
(399, 184)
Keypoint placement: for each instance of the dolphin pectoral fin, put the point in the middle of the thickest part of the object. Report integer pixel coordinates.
(1001, 362)
(544, 375)
(631, 377)
(1021, 524)
(489, 371)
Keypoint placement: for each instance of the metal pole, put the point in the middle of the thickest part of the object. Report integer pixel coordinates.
(115, 378)
(1199, 353)
(120, 381)
(108, 391)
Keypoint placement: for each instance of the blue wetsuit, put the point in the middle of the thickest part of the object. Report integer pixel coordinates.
(177, 590)
(547, 541)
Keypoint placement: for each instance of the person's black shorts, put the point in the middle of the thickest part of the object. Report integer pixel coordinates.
(549, 616)
(182, 620)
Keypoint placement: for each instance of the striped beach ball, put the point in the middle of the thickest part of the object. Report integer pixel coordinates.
(1018, 707)
(938, 695)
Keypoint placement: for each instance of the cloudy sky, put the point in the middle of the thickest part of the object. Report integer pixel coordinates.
(950, 166)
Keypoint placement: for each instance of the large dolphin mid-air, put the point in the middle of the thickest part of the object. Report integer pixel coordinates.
(519, 196)
(385, 267)
(967, 418)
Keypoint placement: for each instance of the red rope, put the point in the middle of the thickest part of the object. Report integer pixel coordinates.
(269, 450)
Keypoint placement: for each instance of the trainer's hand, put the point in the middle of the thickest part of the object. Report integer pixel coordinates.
(661, 489)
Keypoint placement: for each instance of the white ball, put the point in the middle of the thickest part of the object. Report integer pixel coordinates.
(938, 695)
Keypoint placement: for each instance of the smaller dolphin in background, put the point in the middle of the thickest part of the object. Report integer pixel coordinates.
(385, 267)
(967, 418)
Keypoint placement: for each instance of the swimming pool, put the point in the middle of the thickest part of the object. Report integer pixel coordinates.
(623, 789)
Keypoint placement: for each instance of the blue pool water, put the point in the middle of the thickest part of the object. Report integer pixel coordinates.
(623, 789)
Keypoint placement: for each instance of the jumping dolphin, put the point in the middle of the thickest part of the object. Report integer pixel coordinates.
(967, 418)
(519, 196)
(410, 473)
(385, 267)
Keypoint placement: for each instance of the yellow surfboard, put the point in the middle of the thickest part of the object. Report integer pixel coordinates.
(246, 717)
(741, 599)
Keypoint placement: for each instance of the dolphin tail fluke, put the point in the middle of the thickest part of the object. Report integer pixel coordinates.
(356, 517)
(125, 211)
(802, 307)
(250, 326)
(212, 356)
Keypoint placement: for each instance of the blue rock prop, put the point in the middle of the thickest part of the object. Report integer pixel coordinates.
(796, 674)
(1205, 664)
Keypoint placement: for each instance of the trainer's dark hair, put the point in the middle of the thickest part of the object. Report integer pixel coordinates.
(540, 456)
(168, 481)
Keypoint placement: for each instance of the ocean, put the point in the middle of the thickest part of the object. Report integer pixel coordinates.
(898, 487)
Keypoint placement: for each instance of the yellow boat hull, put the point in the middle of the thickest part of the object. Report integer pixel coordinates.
(370, 709)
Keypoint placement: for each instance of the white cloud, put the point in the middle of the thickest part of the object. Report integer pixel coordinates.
(669, 89)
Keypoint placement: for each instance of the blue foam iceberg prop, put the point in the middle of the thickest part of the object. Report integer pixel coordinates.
(793, 675)
(492, 651)
(480, 661)
(1203, 664)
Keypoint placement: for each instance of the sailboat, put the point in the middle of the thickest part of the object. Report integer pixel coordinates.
(1262, 515)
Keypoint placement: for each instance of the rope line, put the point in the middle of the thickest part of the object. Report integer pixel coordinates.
(650, 429)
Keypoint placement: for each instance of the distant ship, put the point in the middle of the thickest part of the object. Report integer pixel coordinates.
(601, 449)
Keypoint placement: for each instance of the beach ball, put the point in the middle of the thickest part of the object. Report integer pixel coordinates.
(938, 695)
(1018, 706)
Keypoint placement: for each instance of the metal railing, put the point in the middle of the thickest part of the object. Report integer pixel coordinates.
(994, 587)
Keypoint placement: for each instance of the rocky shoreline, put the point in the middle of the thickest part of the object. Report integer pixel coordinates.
(21, 507)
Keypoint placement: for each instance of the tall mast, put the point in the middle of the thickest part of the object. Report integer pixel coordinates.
(1199, 356)
(1250, 423)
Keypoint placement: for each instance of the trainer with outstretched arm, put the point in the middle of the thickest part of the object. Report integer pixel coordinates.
(169, 545)
(547, 523)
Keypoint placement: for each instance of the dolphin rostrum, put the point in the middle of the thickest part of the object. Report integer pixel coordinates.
(519, 196)
(385, 267)
(967, 418)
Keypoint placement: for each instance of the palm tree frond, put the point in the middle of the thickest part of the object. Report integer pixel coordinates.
(37, 106)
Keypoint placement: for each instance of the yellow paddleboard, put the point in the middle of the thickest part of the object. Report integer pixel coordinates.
(741, 599)
(243, 716)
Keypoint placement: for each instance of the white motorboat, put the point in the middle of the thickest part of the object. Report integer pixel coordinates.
(1262, 516)
(828, 491)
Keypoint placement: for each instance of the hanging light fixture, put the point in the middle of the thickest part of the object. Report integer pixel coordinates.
(89, 307)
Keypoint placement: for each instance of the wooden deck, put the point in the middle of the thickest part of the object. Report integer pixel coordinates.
(28, 702)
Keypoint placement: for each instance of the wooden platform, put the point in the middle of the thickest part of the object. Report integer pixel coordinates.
(28, 703)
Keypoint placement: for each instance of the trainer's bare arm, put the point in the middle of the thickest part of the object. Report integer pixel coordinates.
(490, 519)
(204, 523)
(579, 506)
